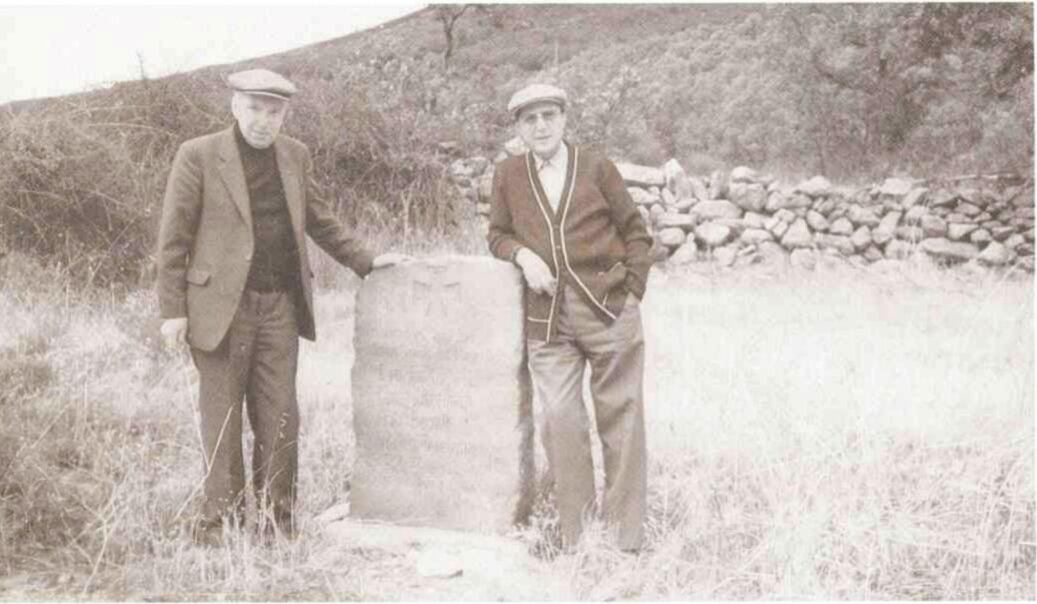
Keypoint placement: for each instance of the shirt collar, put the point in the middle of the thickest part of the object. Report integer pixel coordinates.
(557, 160)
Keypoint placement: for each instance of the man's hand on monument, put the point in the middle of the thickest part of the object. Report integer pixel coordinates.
(389, 259)
(174, 332)
(535, 270)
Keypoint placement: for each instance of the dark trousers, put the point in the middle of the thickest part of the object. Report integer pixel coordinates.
(257, 362)
(615, 354)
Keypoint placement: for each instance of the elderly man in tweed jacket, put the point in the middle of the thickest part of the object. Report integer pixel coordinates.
(234, 282)
(563, 215)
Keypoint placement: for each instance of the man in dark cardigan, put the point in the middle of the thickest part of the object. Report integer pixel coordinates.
(563, 215)
(234, 283)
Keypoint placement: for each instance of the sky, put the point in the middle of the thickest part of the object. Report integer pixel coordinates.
(54, 50)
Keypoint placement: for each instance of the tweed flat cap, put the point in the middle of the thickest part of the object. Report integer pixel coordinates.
(262, 81)
(535, 93)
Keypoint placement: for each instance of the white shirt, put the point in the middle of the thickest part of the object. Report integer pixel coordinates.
(552, 174)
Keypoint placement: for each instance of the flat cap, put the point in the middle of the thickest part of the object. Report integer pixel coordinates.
(535, 93)
(263, 82)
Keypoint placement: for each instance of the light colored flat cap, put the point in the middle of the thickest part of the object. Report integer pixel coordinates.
(535, 93)
(263, 82)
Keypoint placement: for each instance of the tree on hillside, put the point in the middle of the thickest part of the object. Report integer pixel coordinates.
(447, 15)
(877, 81)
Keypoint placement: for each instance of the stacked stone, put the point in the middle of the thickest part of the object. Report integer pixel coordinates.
(745, 217)
(473, 177)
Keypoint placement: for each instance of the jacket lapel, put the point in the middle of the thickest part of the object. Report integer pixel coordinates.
(290, 182)
(233, 175)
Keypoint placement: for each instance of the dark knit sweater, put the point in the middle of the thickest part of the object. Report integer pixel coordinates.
(275, 264)
(595, 242)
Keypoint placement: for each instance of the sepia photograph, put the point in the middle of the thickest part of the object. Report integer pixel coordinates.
(517, 302)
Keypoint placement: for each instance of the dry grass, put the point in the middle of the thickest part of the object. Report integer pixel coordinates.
(833, 435)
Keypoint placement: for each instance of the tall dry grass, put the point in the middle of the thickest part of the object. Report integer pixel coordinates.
(833, 435)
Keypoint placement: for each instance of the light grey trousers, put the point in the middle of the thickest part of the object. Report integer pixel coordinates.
(256, 362)
(615, 354)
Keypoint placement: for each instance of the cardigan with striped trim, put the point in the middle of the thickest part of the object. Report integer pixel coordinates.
(595, 241)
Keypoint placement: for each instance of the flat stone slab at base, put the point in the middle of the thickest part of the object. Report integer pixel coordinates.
(438, 564)
(441, 396)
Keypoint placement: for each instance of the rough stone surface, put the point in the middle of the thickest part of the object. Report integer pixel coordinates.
(910, 233)
(945, 248)
(896, 187)
(956, 231)
(942, 198)
(686, 253)
(771, 252)
(641, 175)
(675, 176)
(915, 214)
(699, 189)
(995, 254)
(798, 235)
(841, 226)
(861, 238)
(748, 196)
(735, 224)
(719, 208)
(815, 187)
(717, 184)
(824, 206)
(914, 197)
(872, 253)
(841, 243)
(712, 234)
(671, 237)
(671, 220)
(862, 216)
(641, 197)
(934, 226)
(752, 220)
(817, 221)
(968, 209)
(756, 235)
(1014, 241)
(668, 198)
(743, 174)
(886, 229)
(776, 226)
(431, 449)
(785, 215)
(1001, 233)
(775, 201)
(725, 255)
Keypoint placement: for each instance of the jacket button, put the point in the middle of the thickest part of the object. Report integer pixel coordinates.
(248, 256)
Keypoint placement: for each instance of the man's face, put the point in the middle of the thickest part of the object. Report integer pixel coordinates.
(259, 117)
(541, 126)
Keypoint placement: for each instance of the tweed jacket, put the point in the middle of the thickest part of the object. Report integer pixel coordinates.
(205, 242)
(595, 242)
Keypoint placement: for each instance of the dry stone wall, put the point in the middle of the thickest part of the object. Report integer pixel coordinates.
(744, 217)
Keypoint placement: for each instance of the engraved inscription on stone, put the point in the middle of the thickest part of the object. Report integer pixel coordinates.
(441, 396)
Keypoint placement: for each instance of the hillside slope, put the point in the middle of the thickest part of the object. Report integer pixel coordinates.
(851, 91)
